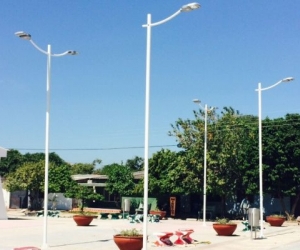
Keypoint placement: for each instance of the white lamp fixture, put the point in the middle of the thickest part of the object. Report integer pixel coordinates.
(190, 7)
(206, 110)
(184, 8)
(259, 90)
(26, 36)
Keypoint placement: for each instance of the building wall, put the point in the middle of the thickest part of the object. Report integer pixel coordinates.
(6, 196)
(3, 215)
(18, 199)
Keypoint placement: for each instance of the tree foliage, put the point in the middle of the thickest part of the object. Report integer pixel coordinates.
(232, 153)
(172, 173)
(120, 180)
(30, 176)
(85, 168)
(281, 158)
(135, 164)
(59, 177)
(10, 163)
(231, 140)
(82, 168)
(36, 157)
(234, 137)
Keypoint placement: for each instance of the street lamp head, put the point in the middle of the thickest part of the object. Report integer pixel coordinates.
(288, 79)
(23, 35)
(72, 52)
(190, 7)
(196, 101)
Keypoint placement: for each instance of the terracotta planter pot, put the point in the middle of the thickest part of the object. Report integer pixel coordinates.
(275, 221)
(129, 242)
(83, 220)
(161, 214)
(224, 229)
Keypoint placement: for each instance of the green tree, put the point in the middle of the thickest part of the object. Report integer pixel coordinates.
(60, 179)
(85, 168)
(82, 193)
(29, 176)
(97, 169)
(135, 164)
(120, 181)
(231, 138)
(229, 167)
(36, 157)
(281, 159)
(107, 168)
(173, 173)
(10, 163)
(82, 168)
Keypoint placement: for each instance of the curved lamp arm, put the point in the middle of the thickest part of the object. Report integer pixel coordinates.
(185, 8)
(197, 101)
(26, 36)
(288, 79)
(162, 21)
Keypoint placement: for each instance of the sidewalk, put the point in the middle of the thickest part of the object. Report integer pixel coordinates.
(63, 234)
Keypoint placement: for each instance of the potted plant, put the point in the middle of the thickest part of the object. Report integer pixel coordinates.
(160, 213)
(129, 239)
(224, 227)
(276, 220)
(84, 193)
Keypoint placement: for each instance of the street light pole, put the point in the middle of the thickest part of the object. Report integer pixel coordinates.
(206, 110)
(149, 25)
(259, 90)
(48, 53)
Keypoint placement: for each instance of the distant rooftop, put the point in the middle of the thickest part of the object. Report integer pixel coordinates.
(77, 177)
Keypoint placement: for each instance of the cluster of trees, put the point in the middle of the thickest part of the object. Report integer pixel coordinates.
(232, 153)
(232, 161)
(27, 172)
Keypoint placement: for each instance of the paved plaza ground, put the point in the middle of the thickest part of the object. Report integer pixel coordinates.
(63, 234)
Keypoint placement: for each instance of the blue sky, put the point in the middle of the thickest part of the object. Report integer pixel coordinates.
(217, 54)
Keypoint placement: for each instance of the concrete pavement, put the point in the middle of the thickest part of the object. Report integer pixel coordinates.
(62, 234)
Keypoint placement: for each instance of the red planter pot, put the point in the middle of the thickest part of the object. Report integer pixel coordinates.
(129, 242)
(83, 220)
(224, 229)
(275, 221)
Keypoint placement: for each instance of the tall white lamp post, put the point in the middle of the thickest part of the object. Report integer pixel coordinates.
(259, 90)
(26, 36)
(206, 110)
(149, 25)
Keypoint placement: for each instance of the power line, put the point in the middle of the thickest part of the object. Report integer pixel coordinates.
(280, 123)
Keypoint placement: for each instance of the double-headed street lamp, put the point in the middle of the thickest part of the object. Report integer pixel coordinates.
(206, 110)
(259, 90)
(27, 36)
(149, 25)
